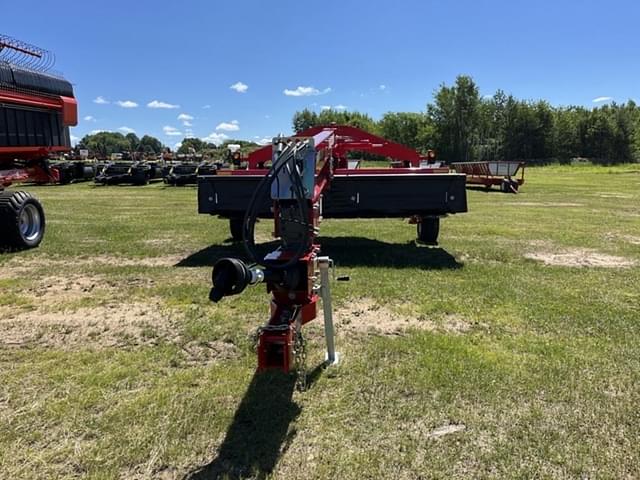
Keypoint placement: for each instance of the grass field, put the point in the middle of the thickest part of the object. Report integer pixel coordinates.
(511, 351)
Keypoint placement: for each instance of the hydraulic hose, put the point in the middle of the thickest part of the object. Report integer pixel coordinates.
(287, 162)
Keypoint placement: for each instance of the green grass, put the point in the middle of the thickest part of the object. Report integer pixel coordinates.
(545, 375)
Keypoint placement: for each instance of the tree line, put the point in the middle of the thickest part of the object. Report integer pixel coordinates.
(461, 125)
(103, 144)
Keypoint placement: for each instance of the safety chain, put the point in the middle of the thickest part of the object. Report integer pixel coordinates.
(300, 357)
(255, 338)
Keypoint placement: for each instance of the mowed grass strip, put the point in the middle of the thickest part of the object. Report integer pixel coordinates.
(511, 350)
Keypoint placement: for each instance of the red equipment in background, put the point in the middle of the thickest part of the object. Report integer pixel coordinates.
(36, 111)
(501, 173)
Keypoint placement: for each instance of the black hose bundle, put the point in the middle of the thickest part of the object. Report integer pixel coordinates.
(287, 162)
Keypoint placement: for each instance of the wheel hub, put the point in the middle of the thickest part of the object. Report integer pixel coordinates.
(30, 222)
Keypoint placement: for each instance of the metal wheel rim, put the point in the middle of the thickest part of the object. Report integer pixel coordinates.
(30, 223)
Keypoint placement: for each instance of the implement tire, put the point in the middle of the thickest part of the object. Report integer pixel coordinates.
(428, 229)
(22, 221)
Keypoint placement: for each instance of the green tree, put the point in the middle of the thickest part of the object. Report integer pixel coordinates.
(455, 117)
(151, 144)
(304, 120)
(307, 118)
(134, 141)
(195, 143)
(411, 129)
(104, 144)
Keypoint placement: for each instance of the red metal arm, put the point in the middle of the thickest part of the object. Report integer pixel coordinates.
(347, 139)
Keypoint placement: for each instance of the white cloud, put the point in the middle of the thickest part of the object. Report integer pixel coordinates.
(186, 119)
(264, 141)
(74, 140)
(100, 100)
(177, 145)
(159, 104)
(127, 104)
(89, 118)
(335, 107)
(126, 130)
(239, 87)
(171, 131)
(305, 91)
(232, 126)
(382, 87)
(602, 99)
(93, 132)
(215, 137)
(206, 106)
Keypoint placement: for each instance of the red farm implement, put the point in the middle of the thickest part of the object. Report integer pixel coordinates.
(508, 175)
(36, 111)
(298, 181)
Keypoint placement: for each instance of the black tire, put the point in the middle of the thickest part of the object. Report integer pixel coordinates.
(428, 229)
(140, 178)
(22, 221)
(66, 174)
(509, 186)
(235, 227)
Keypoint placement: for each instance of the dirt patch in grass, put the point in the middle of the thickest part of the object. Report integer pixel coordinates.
(545, 204)
(94, 327)
(54, 290)
(114, 325)
(199, 353)
(116, 261)
(364, 315)
(20, 266)
(58, 288)
(633, 240)
(580, 257)
(613, 195)
(446, 430)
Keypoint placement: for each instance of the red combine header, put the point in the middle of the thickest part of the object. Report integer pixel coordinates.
(36, 110)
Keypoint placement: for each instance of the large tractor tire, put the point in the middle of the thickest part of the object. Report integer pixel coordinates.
(428, 229)
(22, 220)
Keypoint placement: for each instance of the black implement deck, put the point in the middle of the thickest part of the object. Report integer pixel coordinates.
(350, 196)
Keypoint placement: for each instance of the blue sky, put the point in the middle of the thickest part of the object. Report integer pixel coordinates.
(240, 68)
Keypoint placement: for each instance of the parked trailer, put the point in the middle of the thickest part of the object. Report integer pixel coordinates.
(421, 194)
(126, 172)
(36, 111)
(502, 173)
(74, 171)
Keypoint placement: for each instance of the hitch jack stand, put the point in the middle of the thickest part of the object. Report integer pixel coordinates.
(324, 264)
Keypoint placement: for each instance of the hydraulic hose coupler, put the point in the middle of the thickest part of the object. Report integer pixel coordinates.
(231, 276)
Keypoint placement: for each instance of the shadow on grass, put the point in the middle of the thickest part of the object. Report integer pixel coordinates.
(481, 188)
(345, 252)
(259, 433)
